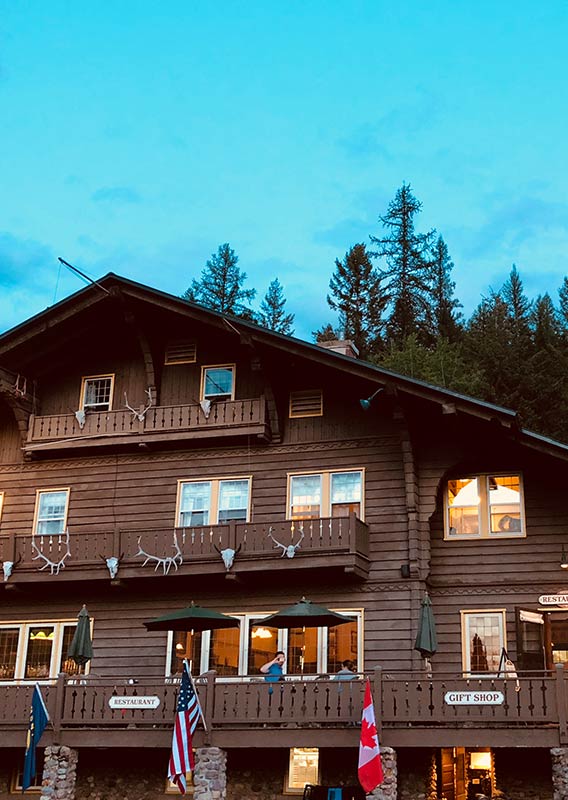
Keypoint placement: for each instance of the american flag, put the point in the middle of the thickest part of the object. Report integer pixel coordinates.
(187, 716)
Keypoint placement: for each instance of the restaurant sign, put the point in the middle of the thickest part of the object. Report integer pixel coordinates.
(474, 698)
(553, 600)
(130, 703)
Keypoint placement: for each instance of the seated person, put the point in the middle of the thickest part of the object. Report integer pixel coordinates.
(347, 672)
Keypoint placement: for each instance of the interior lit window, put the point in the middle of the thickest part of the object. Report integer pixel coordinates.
(9, 638)
(262, 645)
(186, 645)
(305, 496)
(224, 651)
(302, 651)
(484, 506)
(303, 768)
(483, 640)
(36, 651)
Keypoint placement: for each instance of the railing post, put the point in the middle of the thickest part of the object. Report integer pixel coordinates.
(378, 695)
(31, 427)
(209, 706)
(116, 552)
(59, 705)
(233, 534)
(561, 704)
(352, 532)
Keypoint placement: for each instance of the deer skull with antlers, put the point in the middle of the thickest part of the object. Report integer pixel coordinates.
(287, 550)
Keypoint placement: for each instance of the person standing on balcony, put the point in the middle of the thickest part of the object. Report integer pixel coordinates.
(274, 670)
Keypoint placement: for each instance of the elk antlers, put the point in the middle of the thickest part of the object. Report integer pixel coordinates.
(167, 562)
(54, 566)
(140, 414)
(287, 550)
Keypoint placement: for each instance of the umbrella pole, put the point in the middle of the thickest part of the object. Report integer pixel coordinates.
(188, 663)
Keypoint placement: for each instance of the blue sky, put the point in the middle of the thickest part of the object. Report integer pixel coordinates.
(136, 136)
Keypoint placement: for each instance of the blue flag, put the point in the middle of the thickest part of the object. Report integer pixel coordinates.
(38, 720)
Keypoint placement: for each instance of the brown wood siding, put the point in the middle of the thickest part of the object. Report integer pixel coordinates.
(10, 439)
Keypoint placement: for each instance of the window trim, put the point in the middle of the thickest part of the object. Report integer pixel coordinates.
(232, 367)
(214, 498)
(466, 655)
(485, 531)
(325, 475)
(84, 380)
(297, 791)
(39, 492)
(57, 655)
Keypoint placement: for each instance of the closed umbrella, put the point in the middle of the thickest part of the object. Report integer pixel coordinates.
(192, 618)
(305, 614)
(426, 641)
(81, 649)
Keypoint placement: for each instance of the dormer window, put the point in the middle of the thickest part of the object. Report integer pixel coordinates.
(218, 382)
(96, 392)
(484, 506)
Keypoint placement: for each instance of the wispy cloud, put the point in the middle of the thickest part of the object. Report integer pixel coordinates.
(116, 194)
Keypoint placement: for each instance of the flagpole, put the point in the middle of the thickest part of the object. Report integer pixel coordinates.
(186, 665)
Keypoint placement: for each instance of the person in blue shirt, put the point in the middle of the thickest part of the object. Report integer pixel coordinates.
(274, 670)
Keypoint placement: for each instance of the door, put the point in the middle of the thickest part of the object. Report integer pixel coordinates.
(447, 777)
(530, 640)
(558, 626)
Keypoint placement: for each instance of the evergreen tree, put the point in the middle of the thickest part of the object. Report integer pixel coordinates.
(563, 294)
(221, 285)
(272, 314)
(407, 272)
(356, 294)
(327, 333)
(446, 319)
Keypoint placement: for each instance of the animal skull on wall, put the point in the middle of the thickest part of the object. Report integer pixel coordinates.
(228, 555)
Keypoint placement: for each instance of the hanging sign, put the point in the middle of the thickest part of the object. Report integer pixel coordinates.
(139, 701)
(474, 698)
(553, 600)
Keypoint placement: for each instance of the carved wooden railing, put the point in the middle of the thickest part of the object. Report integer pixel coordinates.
(323, 536)
(247, 702)
(158, 419)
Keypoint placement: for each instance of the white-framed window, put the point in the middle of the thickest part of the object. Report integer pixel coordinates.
(303, 768)
(36, 651)
(484, 506)
(50, 517)
(243, 650)
(96, 392)
(326, 494)
(218, 382)
(483, 640)
(213, 501)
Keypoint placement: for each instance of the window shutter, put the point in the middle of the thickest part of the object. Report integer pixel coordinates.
(181, 352)
(306, 404)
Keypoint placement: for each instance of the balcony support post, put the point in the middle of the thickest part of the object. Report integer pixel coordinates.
(59, 703)
(209, 709)
(561, 704)
(378, 694)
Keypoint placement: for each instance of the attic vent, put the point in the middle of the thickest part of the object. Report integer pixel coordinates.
(181, 352)
(306, 404)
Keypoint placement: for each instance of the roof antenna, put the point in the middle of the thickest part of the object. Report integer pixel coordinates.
(82, 275)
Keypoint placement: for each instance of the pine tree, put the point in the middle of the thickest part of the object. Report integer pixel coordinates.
(407, 273)
(563, 295)
(272, 314)
(327, 333)
(446, 318)
(221, 285)
(356, 294)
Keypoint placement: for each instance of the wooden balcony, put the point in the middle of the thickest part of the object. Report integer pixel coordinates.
(159, 423)
(242, 712)
(338, 542)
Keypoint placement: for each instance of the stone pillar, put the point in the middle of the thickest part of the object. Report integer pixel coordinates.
(210, 774)
(559, 772)
(59, 773)
(388, 788)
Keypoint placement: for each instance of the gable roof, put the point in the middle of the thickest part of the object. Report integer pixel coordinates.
(112, 285)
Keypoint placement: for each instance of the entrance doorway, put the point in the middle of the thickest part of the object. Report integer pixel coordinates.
(542, 639)
(464, 774)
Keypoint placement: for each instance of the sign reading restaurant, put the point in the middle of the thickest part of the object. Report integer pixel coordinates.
(553, 600)
(128, 703)
(474, 698)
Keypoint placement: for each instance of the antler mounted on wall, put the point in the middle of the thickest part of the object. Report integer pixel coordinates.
(167, 562)
(140, 414)
(287, 550)
(54, 566)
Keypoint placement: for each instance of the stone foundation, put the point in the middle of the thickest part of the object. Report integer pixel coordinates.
(559, 757)
(59, 773)
(210, 775)
(388, 788)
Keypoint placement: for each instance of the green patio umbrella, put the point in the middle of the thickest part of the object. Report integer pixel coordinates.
(426, 642)
(305, 614)
(81, 649)
(192, 618)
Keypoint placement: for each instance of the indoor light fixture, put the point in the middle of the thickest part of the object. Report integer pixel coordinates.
(366, 402)
(563, 559)
(261, 633)
(480, 760)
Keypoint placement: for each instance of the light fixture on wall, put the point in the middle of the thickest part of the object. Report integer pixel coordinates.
(366, 402)
(563, 559)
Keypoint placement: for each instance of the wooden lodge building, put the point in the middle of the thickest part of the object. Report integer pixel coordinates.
(140, 427)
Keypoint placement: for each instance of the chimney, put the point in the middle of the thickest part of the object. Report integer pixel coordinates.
(344, 346)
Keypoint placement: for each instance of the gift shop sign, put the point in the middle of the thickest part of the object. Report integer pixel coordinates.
(128, 703)
(474, 698)
(553, 600)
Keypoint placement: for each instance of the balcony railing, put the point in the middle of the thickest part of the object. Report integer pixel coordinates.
(328, 541)
(159, 422)
(243, 703)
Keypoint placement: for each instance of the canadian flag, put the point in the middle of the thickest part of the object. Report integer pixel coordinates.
(370, 766)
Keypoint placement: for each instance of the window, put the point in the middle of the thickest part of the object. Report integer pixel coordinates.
(17, 775)
(485, 506)
(35, 651)
(483, 640)
(171, 788)
(96, 393)
(211, 502)
(327, 494)
(243, 650)
(303, 768)
(306, 404)
(218, 383)
(180, 352)
(51, 511)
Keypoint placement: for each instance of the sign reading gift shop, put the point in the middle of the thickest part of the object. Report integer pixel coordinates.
(553, 600)
(474, 698)
(130, 703)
